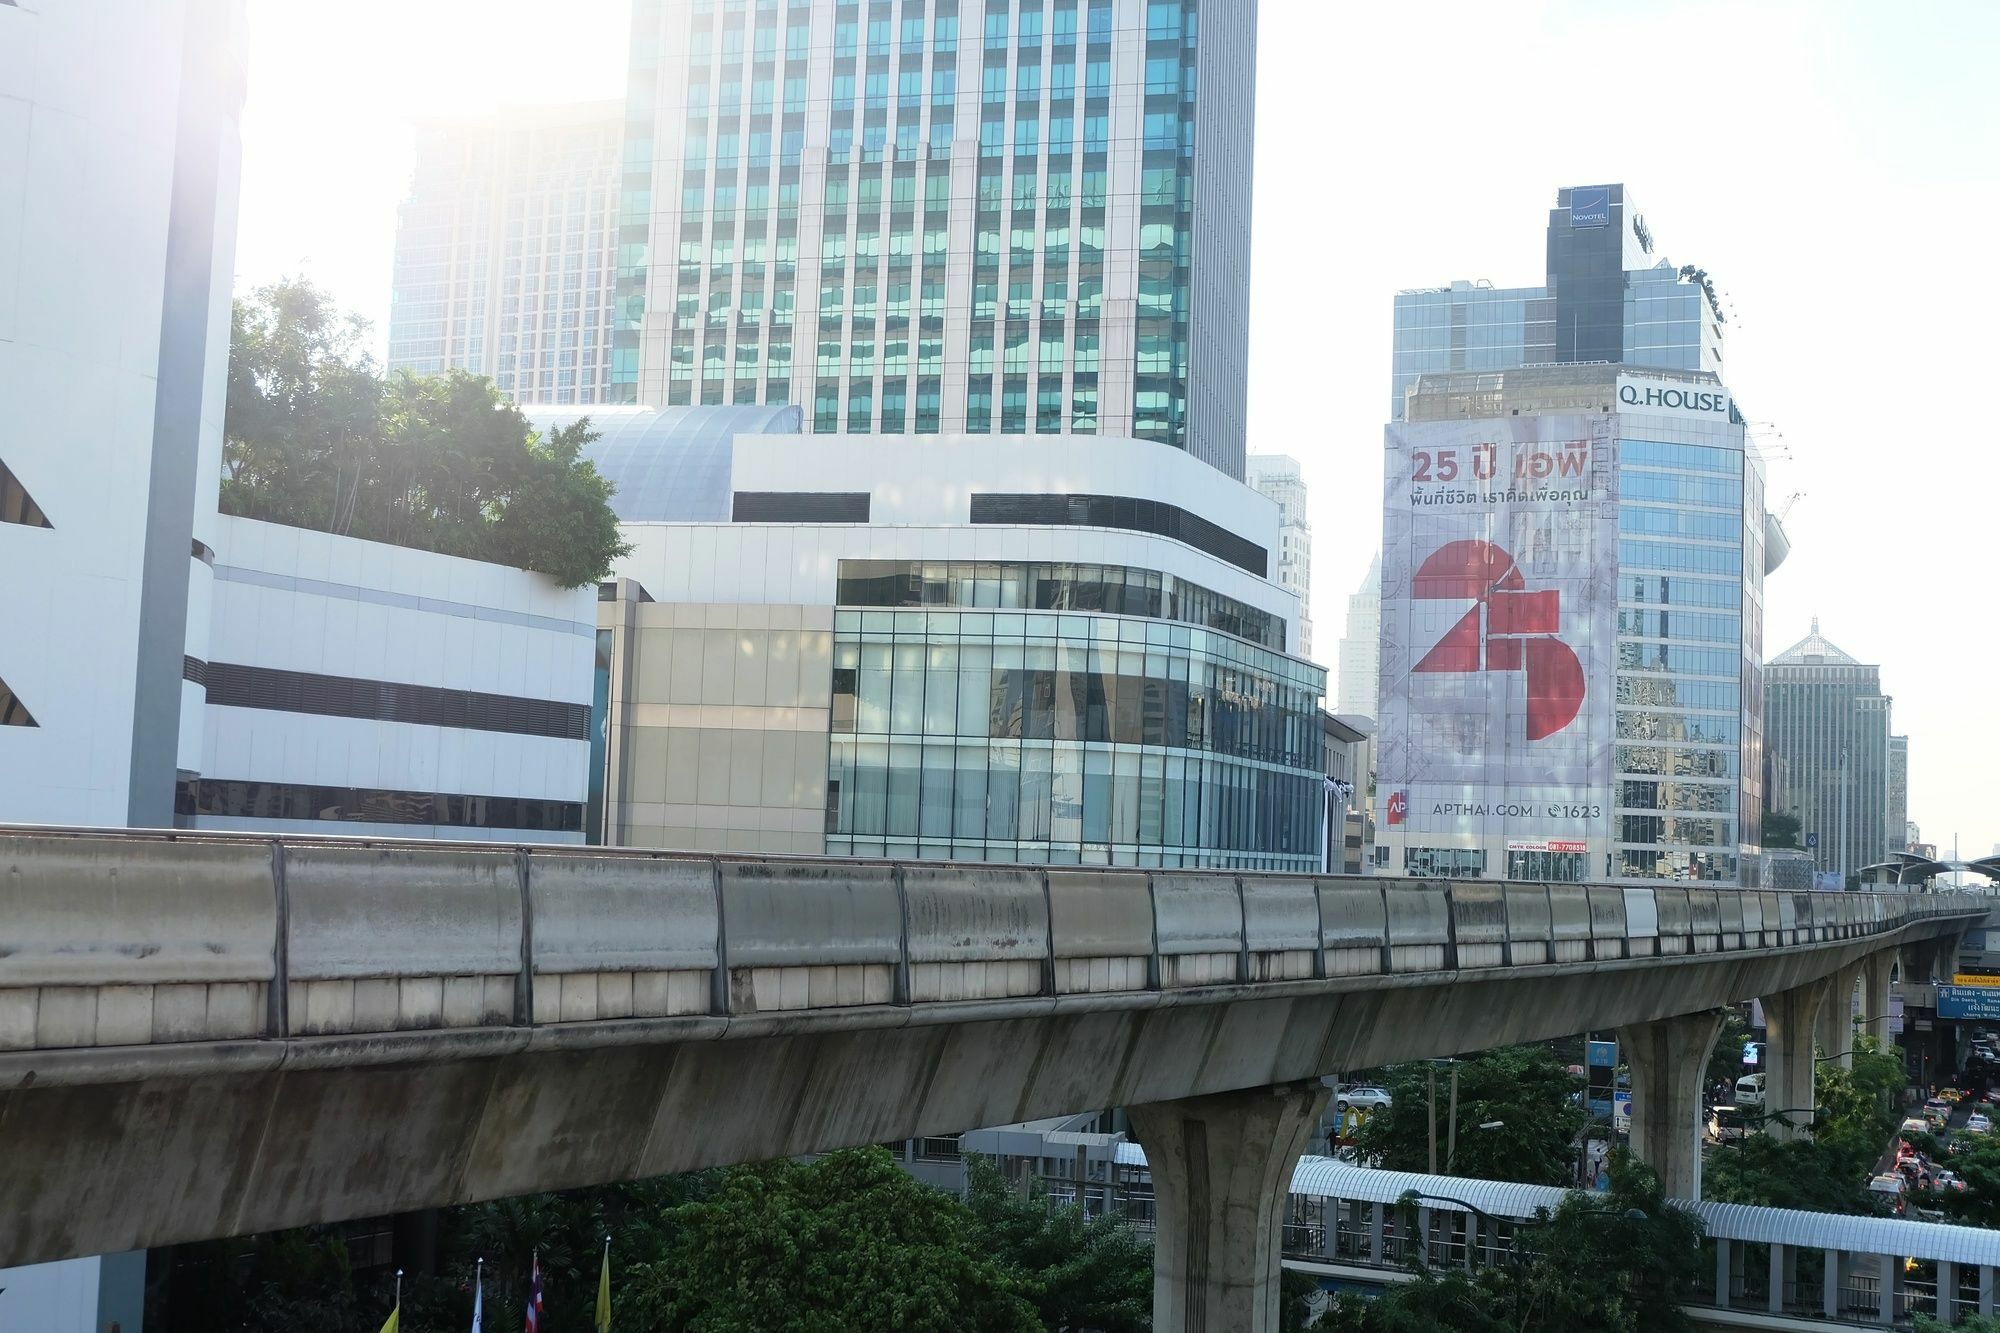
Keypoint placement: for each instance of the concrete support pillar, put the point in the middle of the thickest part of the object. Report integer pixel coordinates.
(1790, 1018)
(1222, 1170)
(1830, 1285)
(1886, 1311)
(1722, 1272)
(1774, 1280)
(1668, 1059)
(1375, 1229)
(1836, 1017)
(1947, 1292)
(1985, 1289)
(1875, 972)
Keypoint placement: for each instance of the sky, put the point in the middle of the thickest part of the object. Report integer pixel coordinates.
(1834, 165)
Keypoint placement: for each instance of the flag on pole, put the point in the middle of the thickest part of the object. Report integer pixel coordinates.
(395, 1321)
(478, 1295)
(533, 1323)
(604, 1291)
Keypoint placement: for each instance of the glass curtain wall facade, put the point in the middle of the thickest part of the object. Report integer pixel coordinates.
(1070, 739)
(505, 253)
(1689, 755)
(942, 215)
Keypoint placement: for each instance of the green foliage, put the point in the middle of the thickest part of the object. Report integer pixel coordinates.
(1725, 1060)
(1973, 1323)
(1527, 1088)
(1978, 1204)
(315, 438)
(1615, 1262)
(1781, 831)
(846, 1242)
(1094, 1274)
(1828, 1173)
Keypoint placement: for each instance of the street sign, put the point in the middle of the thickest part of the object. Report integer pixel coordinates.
(1621, 1112)
(1968, 1001)
(1812, 841)
(1974, 979)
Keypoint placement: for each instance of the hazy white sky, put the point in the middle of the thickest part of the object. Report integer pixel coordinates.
(1833, 165)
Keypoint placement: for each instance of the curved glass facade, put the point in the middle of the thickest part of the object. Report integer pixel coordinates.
(1065, 738)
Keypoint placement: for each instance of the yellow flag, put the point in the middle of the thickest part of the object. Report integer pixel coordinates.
(395, 1319)
(603, 1293)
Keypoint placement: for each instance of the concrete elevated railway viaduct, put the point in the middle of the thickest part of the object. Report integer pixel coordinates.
(204, 1035)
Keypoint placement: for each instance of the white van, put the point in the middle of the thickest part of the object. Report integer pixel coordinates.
(1750, 1090)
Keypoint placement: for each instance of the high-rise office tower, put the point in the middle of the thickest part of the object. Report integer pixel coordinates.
(1829, 720)
(1607, 296)
(506, 251)
(943, 215)
(1572, 629)
(1361, 646)
(1897, 829)
(1276, 477)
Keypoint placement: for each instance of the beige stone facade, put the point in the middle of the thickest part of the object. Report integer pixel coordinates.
(718, 725)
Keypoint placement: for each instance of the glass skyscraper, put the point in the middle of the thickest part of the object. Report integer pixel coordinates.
(505, 251)
(944, 216)
(1607, 297)
(1830, 727)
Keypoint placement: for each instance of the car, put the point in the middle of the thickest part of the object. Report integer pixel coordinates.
(1978, 1123)
(1750, 1090)
(1362, 1099)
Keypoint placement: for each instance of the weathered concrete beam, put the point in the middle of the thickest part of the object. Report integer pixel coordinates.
(125, 1148)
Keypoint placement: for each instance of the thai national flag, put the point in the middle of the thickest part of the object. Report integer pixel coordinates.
(533, 1323)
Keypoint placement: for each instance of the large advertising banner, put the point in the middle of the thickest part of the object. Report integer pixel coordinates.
(1499, 628)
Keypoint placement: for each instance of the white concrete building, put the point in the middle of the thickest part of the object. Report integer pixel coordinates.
(1277, 478)
(506, 251)
(355, 687)
(118, 172)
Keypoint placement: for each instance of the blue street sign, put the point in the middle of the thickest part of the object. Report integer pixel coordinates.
(1812, 841)
(1968, 1001)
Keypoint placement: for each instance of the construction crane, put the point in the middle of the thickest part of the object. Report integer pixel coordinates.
(1785, 510)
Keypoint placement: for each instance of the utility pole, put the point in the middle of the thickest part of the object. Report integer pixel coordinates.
(1431, 1114)
(1451, 1130)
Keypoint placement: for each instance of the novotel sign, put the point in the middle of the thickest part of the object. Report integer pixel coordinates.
(1709, 402)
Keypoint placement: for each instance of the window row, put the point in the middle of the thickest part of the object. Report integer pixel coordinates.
(1113, 589)
(1677, 660)
(1038, 692)
(1066, 794)
(1720, 492)
(1697, 524)
(1671, 590)
(1672, 557)
(1663, 624)
(1701, 728)
(1691, 457)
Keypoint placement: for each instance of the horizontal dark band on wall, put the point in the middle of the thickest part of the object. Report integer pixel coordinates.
(239, 686)
(1123, 511)
(799, 507)
(222, 797)
(194, 670)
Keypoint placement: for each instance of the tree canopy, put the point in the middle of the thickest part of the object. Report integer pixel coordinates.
(848, 1241)
(1829, 1172)
(1095, 1274)
(316, 437)
(1615, 1262)
(1526, 1088)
